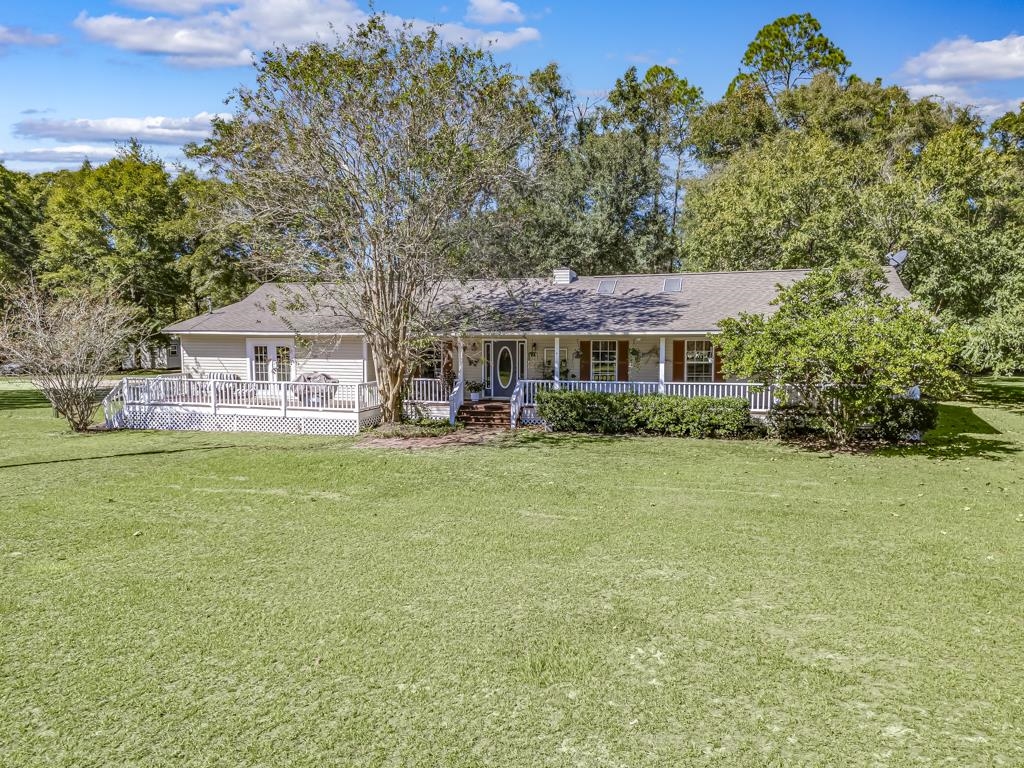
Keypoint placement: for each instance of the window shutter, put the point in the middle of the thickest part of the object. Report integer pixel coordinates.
(585, 360)
(718, 366)
(622, 361)
(678, 360)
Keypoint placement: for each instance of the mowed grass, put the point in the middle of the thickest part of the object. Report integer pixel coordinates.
(251, 600)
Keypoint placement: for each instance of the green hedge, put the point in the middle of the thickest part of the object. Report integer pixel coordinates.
(615, 414)
(899, 418)
(892, 420)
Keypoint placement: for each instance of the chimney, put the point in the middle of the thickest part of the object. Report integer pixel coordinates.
(564, 275)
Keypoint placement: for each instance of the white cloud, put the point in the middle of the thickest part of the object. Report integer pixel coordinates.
(989, 108)
(72, 154)
(170, 6)
(965, 59)
(12, 36)
(150, 130)
(493, 12)
(196, 33)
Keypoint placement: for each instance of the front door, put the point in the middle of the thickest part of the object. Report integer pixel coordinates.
(504, 367)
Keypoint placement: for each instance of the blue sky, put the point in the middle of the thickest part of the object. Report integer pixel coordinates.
(80, 75)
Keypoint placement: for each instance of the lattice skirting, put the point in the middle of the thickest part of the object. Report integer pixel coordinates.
(207, 422)
(528, 415)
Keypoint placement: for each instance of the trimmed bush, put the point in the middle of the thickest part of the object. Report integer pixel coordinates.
(612, 414)
(597, 412)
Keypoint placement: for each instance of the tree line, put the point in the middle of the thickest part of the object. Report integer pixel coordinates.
(801, 163)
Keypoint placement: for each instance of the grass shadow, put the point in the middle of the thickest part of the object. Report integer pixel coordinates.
(15, 399)
(961, 433)
(1007, 392)
(567, 439)
(155, 452)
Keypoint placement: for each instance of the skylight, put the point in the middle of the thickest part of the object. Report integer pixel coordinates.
(673, 285)
(606, 287)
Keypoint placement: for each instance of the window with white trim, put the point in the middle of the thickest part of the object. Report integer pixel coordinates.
(700, 360)
(604, 360)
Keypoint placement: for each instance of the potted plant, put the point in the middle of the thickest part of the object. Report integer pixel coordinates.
(475, 389)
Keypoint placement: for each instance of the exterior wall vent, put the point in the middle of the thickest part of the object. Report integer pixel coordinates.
(564, 275)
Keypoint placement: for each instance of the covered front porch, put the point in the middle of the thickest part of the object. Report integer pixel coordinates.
(514, 369)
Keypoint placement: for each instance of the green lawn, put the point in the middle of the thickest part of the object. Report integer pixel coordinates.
(224, 600)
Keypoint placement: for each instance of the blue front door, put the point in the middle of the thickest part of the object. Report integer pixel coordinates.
(504, 367)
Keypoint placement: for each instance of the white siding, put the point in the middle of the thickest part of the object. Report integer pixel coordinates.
(646, 369)
(339, 356)
(201, 355)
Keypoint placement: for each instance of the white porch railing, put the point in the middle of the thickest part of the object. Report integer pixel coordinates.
(455, 400)
(258, 395)
(113, 406)
(759, 397)
(428, 391)
(516, 403)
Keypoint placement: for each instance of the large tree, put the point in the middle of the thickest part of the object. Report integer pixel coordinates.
(841, 347)
(19, 216)
(354, 163)
(658, 109)
(790, 51)
(110, 228)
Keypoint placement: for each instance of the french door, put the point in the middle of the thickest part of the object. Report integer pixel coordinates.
(271, 359)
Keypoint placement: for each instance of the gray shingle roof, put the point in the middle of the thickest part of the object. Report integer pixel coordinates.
(285, 308)
(638, 304)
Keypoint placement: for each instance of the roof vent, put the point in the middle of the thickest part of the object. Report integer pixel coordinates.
(672, 285)
(564, 275)
(606, 287)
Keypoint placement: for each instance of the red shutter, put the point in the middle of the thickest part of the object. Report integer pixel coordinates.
(718, 366)
(678, 360)
(622, 361)
(585, 360)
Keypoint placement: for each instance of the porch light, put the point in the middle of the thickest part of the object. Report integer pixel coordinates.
(533, 349)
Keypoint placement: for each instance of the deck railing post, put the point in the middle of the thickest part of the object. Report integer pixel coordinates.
(284, 398)
(661, 366)
(213, 397)
(556, 365)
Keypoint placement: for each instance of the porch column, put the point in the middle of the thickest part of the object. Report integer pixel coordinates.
(557, 366)
(461, 351)
(661, 366)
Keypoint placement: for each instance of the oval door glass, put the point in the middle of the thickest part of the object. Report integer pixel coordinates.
(504, 367)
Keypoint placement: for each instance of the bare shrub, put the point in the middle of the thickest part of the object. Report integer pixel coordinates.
(66, 344)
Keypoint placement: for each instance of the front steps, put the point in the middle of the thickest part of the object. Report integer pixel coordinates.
(485, 414)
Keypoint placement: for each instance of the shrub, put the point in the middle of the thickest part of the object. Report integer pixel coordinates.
(899, 418)
(598, 412)
(419, 427)
(892, 420)
(602, 413)
(716, 417)
(792, 420)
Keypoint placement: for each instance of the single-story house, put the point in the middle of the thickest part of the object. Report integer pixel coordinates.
(273, 362)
